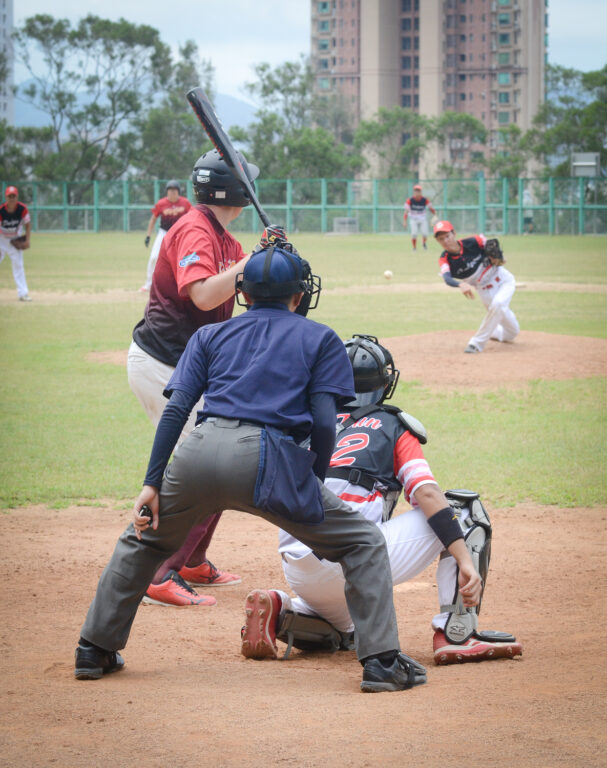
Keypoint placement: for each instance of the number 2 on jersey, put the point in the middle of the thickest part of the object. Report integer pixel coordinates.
(347, 445)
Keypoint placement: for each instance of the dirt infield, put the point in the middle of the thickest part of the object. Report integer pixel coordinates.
(437, 359)
(187, 696)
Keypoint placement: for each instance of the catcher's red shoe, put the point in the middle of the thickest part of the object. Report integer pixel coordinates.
(474, 649)
(262, 608)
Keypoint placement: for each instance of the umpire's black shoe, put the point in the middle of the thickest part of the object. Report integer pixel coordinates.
(93, 663)
(403, 673)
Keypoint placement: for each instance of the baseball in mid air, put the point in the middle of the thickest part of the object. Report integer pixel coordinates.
(388, 274)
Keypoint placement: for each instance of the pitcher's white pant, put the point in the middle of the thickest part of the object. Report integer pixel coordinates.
(154, 257)
(412, 547)
(500, 322)
(16, 262)
(148, 378)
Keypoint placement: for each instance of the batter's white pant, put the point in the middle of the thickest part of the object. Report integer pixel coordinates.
(148, 378)
(418, 227)
(500, 322)
(412, 547)
(154, 257)
(17, 263)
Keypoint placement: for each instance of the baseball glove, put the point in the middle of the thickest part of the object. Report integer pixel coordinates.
(20, 243)
(494, 253)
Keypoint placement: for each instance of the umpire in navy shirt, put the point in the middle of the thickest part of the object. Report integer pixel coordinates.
(270, 378)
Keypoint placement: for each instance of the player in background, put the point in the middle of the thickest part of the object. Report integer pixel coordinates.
(15, 222)
(377, 456)
(467, 261)
(170, 209)
(192, 286)
(271, 378)
(416, 208)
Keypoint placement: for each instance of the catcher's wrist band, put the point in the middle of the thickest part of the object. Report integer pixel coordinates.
(446, 527)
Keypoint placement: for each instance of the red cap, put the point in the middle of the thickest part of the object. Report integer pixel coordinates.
(11, 191)
(443, 226)
(417, 186)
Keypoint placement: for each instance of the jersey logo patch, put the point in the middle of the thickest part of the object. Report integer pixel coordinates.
(191, 259)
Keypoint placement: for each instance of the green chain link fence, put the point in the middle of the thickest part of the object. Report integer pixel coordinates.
(557, 206)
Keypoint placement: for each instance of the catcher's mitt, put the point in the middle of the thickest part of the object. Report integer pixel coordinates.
(20, 243)
(494, 253)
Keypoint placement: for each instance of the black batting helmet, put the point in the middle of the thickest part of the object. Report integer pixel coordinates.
(173, 184)
(277, 273)
(375, 376)
(214, 183)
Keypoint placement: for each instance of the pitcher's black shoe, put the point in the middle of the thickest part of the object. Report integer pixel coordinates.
(93, 663)
(403, 673)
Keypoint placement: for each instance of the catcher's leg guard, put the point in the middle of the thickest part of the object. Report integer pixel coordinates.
(463, 622)
(311, 633)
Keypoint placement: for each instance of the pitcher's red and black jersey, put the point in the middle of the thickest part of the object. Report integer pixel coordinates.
(380, 445)
(469, 262)
(10, 222)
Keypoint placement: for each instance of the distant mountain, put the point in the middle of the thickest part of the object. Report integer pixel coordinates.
(231, 111)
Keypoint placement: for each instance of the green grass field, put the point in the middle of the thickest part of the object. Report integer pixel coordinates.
(72, 431)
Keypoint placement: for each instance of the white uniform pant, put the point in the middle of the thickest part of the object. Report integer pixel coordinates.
(418, 226)
(17, 263)
(154, 257)
(412, 547)
(148, 378)
(500, 322)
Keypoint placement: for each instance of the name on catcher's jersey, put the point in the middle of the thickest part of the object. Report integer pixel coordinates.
(10, 222)
(470, 264)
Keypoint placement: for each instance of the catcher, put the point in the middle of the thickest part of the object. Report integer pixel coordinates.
(15, 230)
(479, 263)
(377, 457)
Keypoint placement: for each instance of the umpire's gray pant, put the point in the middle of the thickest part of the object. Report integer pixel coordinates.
(215, 469)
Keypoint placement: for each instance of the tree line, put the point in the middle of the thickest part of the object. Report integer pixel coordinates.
(115, 99)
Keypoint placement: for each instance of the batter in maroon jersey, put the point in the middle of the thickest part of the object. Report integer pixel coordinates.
(192, 286)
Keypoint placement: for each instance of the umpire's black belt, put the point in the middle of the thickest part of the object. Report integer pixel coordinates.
(221, 421)
(354, 476)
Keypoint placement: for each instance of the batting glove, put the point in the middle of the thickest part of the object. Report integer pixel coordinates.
(273, 235)
(147, 240)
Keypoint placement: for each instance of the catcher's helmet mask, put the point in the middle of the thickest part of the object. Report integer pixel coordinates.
(214, 183)
(375, 377)
(275, 273)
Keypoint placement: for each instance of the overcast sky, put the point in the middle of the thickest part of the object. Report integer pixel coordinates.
(237, 34)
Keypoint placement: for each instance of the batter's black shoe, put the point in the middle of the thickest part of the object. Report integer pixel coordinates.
(93, 663)
(402, 674)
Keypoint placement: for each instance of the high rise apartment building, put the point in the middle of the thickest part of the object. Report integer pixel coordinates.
(6, 50)
(482, 57)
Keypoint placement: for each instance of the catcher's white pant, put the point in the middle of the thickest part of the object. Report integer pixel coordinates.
(418, 226)
(154, 257)
(16, 255)
(148, 378)
(412, 547)
(500, 322)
